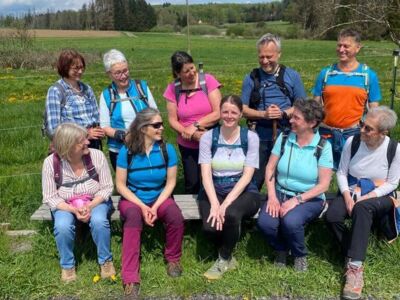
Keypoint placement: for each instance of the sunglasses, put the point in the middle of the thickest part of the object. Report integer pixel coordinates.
(367, 128)
(156, 125)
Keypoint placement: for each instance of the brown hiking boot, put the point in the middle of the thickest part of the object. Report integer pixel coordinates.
(131, 291)
(68, 275)
(354, 282)
(174, 269)
(107, 269)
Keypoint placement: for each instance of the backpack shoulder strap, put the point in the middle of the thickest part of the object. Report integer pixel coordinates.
(164, 154)
(244, 139)
(178, 88)
(129, 158)
(320, 148)
(202, 79)
(87, 161)
(214, 142)
(285, 135)
(355, 144)
(57, 167)
(255, 93)
(113, 99)
(280, 81)
(61, 89)
(142, 93)
(391, 151)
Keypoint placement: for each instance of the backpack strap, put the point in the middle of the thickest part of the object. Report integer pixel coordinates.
(320, 148)
(178, 88)
(281, 83)
(244, 139)
(57, 168)
(164, 155)
(285, 135)
(255, 96)
(61, 89)
(214, 143)
(202, 79)
(141, 92)
(391, 151)
(87, 161)
(355, 144)
(113, 99)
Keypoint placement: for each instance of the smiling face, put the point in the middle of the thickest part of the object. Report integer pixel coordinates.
(268, 57)
(154, 129)
(80, 148)
(188, 74)
(230, 115)
(76, 70)
(119, 74)
(299, 124)
(369, 132)
(347, 49)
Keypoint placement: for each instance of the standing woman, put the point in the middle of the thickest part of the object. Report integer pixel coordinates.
(297, 175)
(228, 157)
(146, 178)
(121, 101)
(70, 100)
(76, 185)
(192, 106)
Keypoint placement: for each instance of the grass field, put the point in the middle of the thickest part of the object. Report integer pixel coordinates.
(35, 274)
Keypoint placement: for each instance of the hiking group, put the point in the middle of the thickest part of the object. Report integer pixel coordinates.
(292, 144)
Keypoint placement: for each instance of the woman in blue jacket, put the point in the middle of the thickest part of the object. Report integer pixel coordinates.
(121, 101)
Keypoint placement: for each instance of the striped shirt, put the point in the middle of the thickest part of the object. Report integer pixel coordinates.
(80, 108)
(52, 197)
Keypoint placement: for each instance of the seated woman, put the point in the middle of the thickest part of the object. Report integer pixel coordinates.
(70, 100)
(297, 175)
(77, 185)
(121, 101)
(193, 101)
(228, 157)
(368, 173)
(146, 178)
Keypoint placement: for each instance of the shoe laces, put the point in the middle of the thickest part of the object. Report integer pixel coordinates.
(130, 289)
(107, 266)
(354, 275)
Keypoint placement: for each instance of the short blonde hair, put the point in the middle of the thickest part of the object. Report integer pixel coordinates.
(66, 136)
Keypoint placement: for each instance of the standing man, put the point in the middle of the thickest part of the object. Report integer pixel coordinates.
(346, 89)
(268, 93)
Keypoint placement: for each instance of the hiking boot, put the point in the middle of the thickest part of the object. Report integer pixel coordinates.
(220, 267)
(131, 291)
(354, 282)
(68, 275)
(107, 269)
(280, 259)
(174, 269)
(300, 264)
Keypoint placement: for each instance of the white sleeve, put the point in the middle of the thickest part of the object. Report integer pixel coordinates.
(104, 113)
(152, 102)
(343, 170)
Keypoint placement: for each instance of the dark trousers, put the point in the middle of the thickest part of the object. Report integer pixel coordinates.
(264, 152)
(95, 144)
(113, 159)
(375, 211)
(245, 206)
(191, 169)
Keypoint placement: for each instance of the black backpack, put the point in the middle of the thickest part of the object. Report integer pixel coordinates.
(255, 96)
(244, 143)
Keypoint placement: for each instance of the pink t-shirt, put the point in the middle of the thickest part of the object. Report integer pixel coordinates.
(193, 108)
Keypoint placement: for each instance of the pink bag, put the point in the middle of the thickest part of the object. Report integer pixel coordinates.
(80, 200)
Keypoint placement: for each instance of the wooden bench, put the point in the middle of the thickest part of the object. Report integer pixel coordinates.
(187, 203)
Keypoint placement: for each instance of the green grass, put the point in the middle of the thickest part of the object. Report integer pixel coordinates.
(35, 274)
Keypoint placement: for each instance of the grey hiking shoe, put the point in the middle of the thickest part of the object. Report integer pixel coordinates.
(68, 275)
(220, 267)
(131, 291)
(354, 282)
(280, 259)
(300, 264)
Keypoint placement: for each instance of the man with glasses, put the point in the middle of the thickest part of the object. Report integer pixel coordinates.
(346, 89)
(121, 101)
(268, 93)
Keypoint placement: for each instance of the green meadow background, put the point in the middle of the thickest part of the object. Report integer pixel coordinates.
(35, 274)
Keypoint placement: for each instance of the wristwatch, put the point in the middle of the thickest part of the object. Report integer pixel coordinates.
(196, 124)
(300, 199)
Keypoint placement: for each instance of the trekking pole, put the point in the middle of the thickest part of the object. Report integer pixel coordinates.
(396, 54)
(274, 130)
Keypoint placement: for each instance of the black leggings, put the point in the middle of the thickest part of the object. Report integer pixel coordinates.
(245, 206)
(191, 169)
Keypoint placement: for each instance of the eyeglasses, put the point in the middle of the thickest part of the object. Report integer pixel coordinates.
(119, 74)
(156, 125)
(367, 128)
(78, 68)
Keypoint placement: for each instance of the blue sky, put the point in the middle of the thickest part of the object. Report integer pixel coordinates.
(18, 7)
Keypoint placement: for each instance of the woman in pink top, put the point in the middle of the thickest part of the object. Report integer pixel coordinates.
(192, 107)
